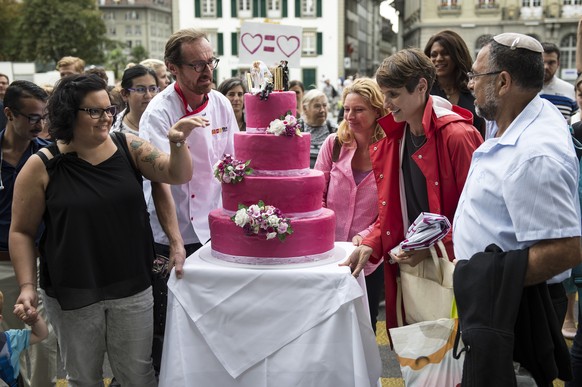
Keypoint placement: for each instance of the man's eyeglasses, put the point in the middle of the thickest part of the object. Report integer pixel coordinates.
(33, 119)
(201, 65)
(143, 89)
(97, 113)
(471, 75)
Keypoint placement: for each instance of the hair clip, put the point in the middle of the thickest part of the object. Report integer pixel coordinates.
(514, 44)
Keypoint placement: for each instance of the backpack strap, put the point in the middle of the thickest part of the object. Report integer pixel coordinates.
(336, 150)
(120, 140)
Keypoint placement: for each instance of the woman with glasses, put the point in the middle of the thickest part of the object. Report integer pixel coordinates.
(450, 55)
(139, 85)
(96, 252)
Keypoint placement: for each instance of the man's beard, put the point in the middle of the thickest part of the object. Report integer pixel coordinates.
(490, 108)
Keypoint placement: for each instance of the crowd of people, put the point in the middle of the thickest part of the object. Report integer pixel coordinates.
(486, 143)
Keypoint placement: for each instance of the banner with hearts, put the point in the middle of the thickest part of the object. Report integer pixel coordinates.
(270, 43)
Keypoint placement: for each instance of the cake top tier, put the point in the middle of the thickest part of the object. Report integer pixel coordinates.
(259, 113)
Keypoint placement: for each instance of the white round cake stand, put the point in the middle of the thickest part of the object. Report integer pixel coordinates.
(339, 254)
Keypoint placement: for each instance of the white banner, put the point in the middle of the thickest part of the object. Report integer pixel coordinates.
(270, 43)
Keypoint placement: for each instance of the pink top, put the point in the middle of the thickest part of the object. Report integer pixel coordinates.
(355, 206)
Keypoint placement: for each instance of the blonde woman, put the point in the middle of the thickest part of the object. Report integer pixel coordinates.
(350, 185)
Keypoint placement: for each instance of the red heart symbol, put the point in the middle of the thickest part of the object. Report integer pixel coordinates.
(288, 44)
(251, 42)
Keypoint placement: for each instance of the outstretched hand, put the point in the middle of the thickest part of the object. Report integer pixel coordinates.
(182, 129)
(358, 259)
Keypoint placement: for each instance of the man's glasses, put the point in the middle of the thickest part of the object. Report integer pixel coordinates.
(471, 75)
(97, 113)
(201, 65)
(142, 89)
(33, 119)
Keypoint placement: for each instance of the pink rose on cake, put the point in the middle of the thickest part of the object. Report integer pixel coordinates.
(287, 126)
(260, 219)
(229, 170)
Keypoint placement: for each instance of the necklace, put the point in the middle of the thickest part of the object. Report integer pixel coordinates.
(131, 122)
(422, 141)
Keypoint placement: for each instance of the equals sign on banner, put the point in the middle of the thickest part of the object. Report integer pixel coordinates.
(270, 38)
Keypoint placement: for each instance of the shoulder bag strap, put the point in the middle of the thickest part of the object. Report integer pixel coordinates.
(336, 150)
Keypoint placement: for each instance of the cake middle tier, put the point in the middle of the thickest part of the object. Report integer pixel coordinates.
(295, 196)
(274, 154)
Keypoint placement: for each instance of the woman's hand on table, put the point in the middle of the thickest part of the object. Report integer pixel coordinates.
(358, 259)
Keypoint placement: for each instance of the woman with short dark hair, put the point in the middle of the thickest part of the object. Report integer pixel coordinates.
(96, 252)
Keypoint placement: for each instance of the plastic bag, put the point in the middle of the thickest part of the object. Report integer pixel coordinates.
(425, 353)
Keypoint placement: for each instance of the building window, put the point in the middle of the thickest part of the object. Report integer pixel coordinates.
(245, 8)
(131, 15)
(531, 3)
(213, 39)
(308, 8)
(274, 9)
(309, 44)
(568, 52)
(572, 2)
(487, 4)
(208, 8)
(112, 31)
(137, 30)
(449, 4)
(128, 31)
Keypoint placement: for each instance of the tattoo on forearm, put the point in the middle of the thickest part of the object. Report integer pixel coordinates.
(146, 153)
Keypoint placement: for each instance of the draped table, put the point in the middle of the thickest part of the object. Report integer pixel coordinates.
(258, 326)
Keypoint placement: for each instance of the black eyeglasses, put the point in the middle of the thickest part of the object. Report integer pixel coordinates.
(143, 89)
(97, 113)
(201, 65)
(471, 75)
(33, 119)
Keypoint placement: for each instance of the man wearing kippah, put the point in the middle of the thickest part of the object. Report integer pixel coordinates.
(517, 223)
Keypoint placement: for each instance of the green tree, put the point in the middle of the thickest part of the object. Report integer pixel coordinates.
(116, 61)
(9, 9)
(50, 29)
(138, 53)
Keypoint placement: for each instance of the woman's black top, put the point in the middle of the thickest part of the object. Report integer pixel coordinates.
(97, 244)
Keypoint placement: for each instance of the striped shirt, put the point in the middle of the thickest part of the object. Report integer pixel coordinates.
(562, 95)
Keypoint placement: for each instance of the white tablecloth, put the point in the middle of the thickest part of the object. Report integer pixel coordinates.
(234, 325)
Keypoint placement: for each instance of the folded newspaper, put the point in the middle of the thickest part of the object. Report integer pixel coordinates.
(426, 230)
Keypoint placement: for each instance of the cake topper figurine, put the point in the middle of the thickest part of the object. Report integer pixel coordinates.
(285, 71)
(260, 73)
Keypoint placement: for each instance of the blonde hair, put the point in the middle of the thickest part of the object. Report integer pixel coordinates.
(1, 302)
(77, 63)
(152, 63)
(369, 90)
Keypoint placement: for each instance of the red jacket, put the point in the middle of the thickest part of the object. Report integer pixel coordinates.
(444, 160)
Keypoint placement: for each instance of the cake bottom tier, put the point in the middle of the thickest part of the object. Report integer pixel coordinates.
(312, 239)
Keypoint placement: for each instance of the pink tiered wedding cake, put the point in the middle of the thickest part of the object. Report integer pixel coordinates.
(274, 214)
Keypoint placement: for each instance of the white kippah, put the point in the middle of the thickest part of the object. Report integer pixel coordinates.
(514, 40)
